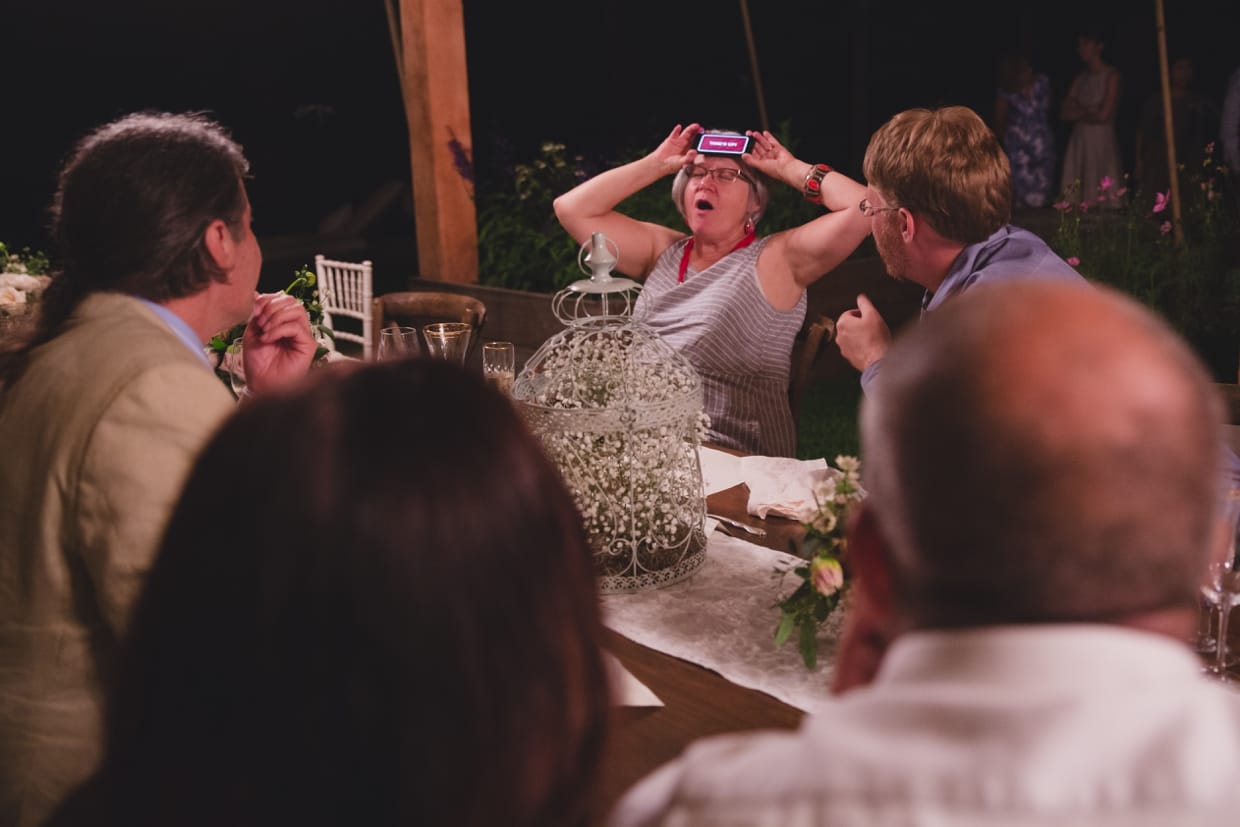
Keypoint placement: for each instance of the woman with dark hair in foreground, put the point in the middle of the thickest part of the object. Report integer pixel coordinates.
(399, 626)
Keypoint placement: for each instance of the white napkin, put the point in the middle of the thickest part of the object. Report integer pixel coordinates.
(627, 690)
(720, 470)
(784, 486)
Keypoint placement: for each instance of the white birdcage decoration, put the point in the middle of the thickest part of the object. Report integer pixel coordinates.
(620, 412)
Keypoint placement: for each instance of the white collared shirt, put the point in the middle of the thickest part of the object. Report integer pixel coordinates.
(1055, 724)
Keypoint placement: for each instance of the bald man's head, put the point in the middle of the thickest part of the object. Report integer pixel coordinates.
(1042, 451)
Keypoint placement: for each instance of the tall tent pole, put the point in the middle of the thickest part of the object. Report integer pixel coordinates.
(1168, 122)
(753, 65)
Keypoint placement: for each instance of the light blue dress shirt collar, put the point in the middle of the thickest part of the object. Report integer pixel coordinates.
(178, 326)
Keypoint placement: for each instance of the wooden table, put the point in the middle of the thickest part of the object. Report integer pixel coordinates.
(697, 701)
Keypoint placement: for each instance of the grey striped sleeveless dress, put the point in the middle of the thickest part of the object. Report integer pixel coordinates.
(742, 347)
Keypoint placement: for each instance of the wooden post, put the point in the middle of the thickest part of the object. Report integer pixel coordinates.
(441, 148)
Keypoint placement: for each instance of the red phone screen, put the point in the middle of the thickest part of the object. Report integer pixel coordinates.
(712, 143)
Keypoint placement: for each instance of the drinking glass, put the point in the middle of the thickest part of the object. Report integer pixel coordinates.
(499, 365)
(448, 340)
(1221, 589)
(398, 343)
(234, 365)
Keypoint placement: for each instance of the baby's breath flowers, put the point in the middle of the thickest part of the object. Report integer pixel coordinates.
(823, 580)
(620, 413)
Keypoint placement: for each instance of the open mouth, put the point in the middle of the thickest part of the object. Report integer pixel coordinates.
(703, 204)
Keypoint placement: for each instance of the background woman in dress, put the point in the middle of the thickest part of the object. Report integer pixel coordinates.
(729, 301)
(400, 627)
(1093, 147)
(1022, 122)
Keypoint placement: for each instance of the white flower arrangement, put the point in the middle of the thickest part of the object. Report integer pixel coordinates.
(823, 578)
(620, 413)
(22, 281)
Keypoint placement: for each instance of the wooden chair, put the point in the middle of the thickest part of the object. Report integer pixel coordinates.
(817, 332)
(345, 290)
(418, 307)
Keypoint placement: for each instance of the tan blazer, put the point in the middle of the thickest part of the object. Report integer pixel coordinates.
(96, 440)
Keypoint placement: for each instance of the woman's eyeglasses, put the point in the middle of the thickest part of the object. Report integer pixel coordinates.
(725, 175)
(869, 210)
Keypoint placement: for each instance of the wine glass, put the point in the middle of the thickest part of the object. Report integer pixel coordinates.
(448, 340)
(234, 365)
(1221, 589)
(499, 365)
(398, 342)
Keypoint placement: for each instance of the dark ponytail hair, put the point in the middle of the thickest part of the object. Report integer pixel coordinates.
(132, 204)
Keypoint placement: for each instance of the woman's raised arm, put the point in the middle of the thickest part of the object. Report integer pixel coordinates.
(591, 206)
(796, 258)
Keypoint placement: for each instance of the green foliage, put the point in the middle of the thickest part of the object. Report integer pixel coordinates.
(828, 420)
(1133, 249)
(30, 262)
(522, 246)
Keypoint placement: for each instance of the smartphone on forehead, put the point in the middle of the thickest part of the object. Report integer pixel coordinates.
(715, 143)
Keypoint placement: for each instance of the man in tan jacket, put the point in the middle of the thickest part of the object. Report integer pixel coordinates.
(102, 414)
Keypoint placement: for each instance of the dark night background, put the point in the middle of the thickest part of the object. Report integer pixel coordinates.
(310, 88)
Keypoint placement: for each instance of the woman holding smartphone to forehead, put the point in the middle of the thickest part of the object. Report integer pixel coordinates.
(729, 300)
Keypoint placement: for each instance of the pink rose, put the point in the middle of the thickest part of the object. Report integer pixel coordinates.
(1105, 184)
(1165, 227)
(1062, 206)
(1160, 201)
(827, 575)
(1084, 206)
(1073, 261)
(1121, 192)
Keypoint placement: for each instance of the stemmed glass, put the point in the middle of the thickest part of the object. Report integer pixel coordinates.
(234, 365)
(398, 343)
(1221, 589)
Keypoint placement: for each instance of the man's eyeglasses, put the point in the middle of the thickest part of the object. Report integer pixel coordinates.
(869, 210)
(724, 175)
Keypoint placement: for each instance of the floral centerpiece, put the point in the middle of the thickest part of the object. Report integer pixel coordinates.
(1124, 238)
(823, 580)
(23, 278)
(620, 413)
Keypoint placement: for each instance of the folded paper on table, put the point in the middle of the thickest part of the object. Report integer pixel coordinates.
(626, 690)
(783, 486)
(724, 618)
(720, 470)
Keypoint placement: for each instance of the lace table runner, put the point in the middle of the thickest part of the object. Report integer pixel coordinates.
(724, 618)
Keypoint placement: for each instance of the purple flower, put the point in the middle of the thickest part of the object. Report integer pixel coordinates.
(1105, 184)
(460, 158)
(1165, 227)
(1160, 201)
